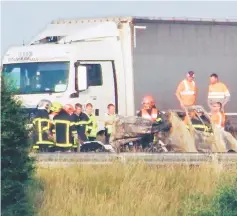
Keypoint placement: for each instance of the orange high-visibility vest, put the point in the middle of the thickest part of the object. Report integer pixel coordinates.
(218, 119)
(217, 92)
(152, 116)
(187, 92)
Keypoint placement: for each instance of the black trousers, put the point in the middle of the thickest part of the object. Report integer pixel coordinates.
(81, 132)
(107, 137)
(146, 139)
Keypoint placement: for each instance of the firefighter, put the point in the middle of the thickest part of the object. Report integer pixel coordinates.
(64, 129)
(109, 120)
(91, 129)
(217, 92)
(41, 125)
(81, 120)
(218, 116)
(186, 91)
(149, 111)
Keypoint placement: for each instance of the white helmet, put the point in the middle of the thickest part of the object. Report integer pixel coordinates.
(44, 104)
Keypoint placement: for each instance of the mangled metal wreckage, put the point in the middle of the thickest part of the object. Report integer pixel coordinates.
(134, 134)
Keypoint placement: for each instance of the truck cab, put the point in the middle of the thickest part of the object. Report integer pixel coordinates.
(70, 63)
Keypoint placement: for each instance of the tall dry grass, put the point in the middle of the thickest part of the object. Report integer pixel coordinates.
(126, 189)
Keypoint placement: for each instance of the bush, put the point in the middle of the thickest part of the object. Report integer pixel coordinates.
(17, 166)
(224, 202)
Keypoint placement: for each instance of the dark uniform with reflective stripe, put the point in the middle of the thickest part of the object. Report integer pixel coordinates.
(64, 129)
(41, 127)
(80, 123)
(203, 126)
(91, 128)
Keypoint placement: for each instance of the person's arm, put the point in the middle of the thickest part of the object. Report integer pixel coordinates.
(95, 123)
(227, 95)
(73, 127)
(52, 126)
(163, 122)
(163, 117)
(45, 123)
(226, 100)
(85, 119)
(196, 95)
(178, 91)
(106, 120)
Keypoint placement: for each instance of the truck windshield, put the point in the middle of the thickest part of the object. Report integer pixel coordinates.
(37, 77)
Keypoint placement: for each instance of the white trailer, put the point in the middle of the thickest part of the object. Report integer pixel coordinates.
(119, 60)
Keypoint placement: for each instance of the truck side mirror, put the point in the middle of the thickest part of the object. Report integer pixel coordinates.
(82, 78)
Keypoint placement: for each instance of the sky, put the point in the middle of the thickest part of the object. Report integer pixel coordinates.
(22, 20)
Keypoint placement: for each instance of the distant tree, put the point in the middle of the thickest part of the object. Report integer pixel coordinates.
(17, 167)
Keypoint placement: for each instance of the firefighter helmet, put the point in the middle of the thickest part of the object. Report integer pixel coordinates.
(56, 106)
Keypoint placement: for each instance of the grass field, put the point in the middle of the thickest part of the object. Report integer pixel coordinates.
(131, 189)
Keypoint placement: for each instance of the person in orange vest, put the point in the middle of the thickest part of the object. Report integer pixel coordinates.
(218, 116)
(149, 110)
(186, 91)
(217, 92)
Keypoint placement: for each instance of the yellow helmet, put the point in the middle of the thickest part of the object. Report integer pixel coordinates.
(56, 107)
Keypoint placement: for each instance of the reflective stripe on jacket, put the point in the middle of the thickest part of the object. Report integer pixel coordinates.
(153, 116)
(64, 129)
(197, 124)
(218, 92)
(41, 126)
(91, 128)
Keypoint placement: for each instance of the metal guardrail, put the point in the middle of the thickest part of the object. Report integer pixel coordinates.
(156, 158)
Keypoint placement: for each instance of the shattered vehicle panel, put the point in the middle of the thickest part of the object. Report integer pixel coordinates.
(181, 137)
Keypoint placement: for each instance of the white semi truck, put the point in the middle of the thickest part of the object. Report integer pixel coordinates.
(119, 60)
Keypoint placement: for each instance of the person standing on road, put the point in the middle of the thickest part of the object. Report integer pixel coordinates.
(81, 120)
(63, 128)
(217, 92)
(187, 91)
(109, 120)
(91, 129)
(41, 125)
